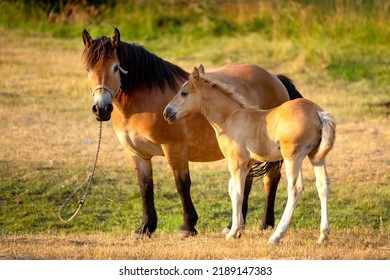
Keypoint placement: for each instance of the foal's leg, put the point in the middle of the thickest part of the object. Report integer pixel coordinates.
(247, 190)
(236, 192)
(178, 161)
(271, 181)
(322, 184)
(143, 168)
(295, 188)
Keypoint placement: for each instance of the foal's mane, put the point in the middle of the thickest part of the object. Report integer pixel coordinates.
(145, 69)
(228, 91)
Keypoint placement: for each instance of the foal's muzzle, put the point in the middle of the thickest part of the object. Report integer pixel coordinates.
(169, 114)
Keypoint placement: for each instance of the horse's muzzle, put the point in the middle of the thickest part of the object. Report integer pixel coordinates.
(102, 113)
(169, 114)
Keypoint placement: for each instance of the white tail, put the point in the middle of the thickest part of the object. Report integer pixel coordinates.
(328, 135)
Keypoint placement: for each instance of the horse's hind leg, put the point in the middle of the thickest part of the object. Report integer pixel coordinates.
(271, 181)
(295, 188)
(322, 184)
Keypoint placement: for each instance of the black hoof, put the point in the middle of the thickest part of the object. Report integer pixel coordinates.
(187, 233)
(144, 230)
(265, 226)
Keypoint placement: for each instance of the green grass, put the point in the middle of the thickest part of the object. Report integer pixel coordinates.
(30, 199)
(349, 39)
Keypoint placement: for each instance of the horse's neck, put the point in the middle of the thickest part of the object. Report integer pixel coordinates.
(218, 108)
(141, 100)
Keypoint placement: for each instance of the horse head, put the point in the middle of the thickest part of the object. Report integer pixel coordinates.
(102, 64)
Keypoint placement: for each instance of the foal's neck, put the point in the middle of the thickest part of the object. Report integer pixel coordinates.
(217, 108)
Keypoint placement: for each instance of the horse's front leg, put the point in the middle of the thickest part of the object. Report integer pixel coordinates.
(178, 160)
(236, 191)
(144, 172)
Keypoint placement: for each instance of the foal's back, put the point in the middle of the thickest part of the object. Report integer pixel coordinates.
(296, 123)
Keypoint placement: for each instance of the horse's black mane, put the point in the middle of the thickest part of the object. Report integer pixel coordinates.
(145, 69)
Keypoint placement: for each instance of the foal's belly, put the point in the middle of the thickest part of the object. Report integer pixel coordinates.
(265, 151)
(272, 157)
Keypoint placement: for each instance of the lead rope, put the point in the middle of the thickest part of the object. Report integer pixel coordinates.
(88, 181)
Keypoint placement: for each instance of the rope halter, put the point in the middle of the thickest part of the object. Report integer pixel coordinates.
(110, 91)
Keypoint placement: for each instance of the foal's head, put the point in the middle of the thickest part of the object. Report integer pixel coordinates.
(101, 61)
(188, 99)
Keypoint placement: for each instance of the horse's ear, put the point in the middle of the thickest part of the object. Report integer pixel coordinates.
(201, 69)
(87, 39)
(115, 38)
(195, 76)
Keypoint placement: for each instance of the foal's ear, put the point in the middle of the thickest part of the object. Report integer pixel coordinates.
(195, 76)
(115, 38)
(87, 39)
(201, 69)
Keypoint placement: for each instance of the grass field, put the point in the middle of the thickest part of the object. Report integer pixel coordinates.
(48, 137)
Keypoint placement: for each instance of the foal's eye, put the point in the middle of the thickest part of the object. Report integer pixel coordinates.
(116, 68)
(184, 94)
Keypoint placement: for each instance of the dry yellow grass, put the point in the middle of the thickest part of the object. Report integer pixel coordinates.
(344, 244)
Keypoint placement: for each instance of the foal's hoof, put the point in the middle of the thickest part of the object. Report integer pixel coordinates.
(234, 234)
(225, 230)
(323, 240)
(273, 241)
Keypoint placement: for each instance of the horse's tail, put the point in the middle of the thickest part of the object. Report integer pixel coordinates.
(289, 85)
(259, 169)
(328, 136)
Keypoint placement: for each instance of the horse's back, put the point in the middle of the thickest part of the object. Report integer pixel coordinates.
(258, 86)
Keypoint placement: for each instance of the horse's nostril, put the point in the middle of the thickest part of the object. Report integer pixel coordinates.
(108, 108)
(95, 109)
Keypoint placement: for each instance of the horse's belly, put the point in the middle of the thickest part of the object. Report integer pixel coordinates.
(139, 145)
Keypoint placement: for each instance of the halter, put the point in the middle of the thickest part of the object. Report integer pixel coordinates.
(110, 91)
(112, 94)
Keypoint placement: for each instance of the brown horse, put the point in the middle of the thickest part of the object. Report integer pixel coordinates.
(132, 86)
(246, 135)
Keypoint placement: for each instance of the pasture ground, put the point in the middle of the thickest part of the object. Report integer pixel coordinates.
(47, 146)
(345, 244)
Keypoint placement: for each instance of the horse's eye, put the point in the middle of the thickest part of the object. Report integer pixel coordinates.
(116, 68)
(184, 94)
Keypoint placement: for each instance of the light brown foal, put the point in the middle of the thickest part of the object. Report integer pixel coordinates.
(246, 135)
